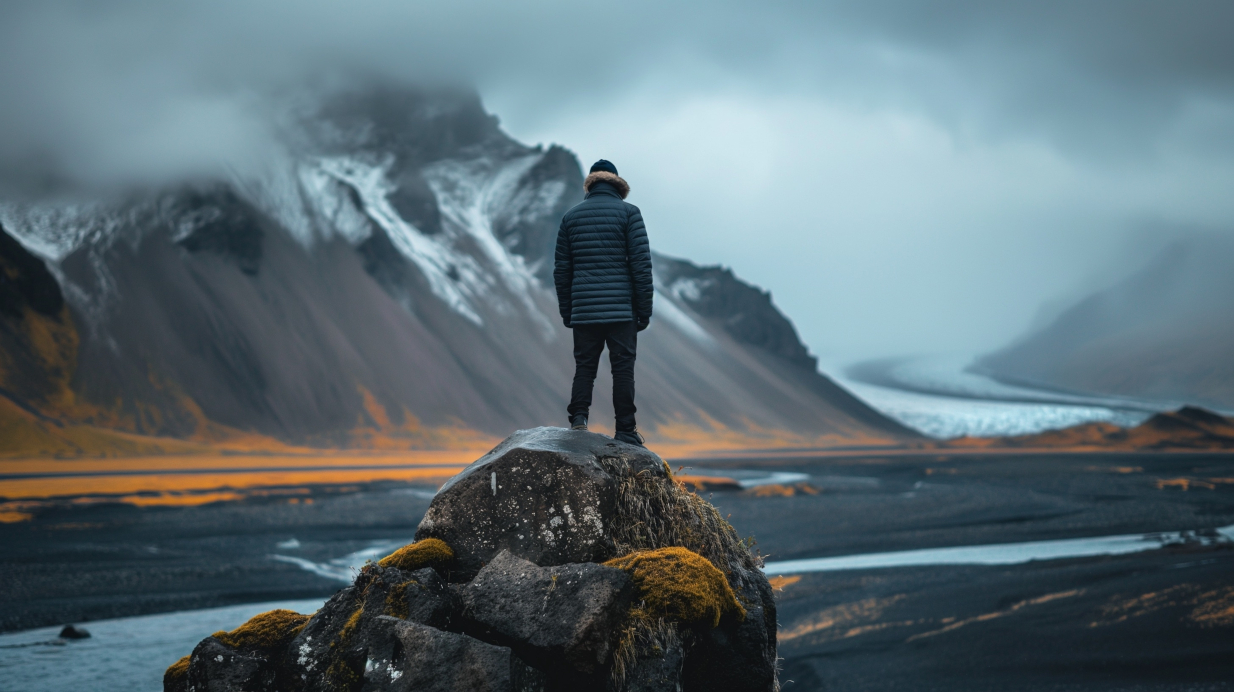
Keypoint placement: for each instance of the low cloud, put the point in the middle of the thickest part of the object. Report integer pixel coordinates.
(904, 176)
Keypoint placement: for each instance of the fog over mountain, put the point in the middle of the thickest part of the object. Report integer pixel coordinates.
(1165, 333)
(384, 279)
(902, 176)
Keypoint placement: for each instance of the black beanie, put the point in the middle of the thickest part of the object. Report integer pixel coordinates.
(604, 165)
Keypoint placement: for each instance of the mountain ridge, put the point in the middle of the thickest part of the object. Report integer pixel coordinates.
(386, 275)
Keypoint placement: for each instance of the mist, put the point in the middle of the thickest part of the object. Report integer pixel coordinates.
(903, 178)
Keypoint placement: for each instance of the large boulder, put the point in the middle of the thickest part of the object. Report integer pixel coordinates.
(504, 591)
(406, 656)
(564, 616)
(216, 667)
(330, 653)
(547, 495)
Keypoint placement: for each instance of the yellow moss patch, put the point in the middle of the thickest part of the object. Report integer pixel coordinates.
(425, 553)
(782, 490)
(267, 631)
(349, 627)
(396, 603)
(176, 672)
(681, 584)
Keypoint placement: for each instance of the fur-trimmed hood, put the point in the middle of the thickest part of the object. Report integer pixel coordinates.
(623, 188)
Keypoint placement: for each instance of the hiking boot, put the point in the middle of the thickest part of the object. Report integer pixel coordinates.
(578, 422)
(630, 437)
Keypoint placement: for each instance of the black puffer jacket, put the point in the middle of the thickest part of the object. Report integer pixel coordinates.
(603, 262)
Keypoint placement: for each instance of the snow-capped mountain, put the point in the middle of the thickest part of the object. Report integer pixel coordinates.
(389, 271)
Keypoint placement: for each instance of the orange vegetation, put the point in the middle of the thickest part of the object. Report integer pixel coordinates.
(778, 583)
(681, 438)
(1188, 428)
(1213, 608)
(782, 490)
(697, 483)
(203, 478)
(1184, 483)
(1013, 608)
(844, 620)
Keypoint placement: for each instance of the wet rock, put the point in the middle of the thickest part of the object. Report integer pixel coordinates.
(74, 632)
(740, 654)
(563, 615)
(407, 656)
(542, 494)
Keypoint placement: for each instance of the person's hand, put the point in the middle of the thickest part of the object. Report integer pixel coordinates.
(642, 324)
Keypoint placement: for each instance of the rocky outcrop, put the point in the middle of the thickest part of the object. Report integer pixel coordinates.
(542, 494)
(562, 616)
(561, 560)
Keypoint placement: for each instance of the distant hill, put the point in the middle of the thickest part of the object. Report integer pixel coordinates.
(386, 282)
(1166, 333)
(1188, 428)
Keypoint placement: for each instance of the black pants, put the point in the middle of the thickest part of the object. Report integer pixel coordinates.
(589, 341)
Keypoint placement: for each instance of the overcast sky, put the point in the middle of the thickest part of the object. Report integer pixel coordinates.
(905, 177)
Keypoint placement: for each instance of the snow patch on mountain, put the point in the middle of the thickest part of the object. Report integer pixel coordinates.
(454, 277)
(667, 310)
(689, 290)
(470, 193)
(54, 231)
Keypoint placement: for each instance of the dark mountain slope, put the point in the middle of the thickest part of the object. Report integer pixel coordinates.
(390, 273)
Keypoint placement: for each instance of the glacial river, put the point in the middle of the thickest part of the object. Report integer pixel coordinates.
(130, 654)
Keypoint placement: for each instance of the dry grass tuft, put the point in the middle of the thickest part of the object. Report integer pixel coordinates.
(265, 632)
(680, 584)
(655, 512)
(426, 553)
(782, 490)
(642, 636)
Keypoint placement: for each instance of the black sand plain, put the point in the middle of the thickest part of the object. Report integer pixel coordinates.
(1156, 620)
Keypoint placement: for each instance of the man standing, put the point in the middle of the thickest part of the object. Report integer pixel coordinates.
(604, 290)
